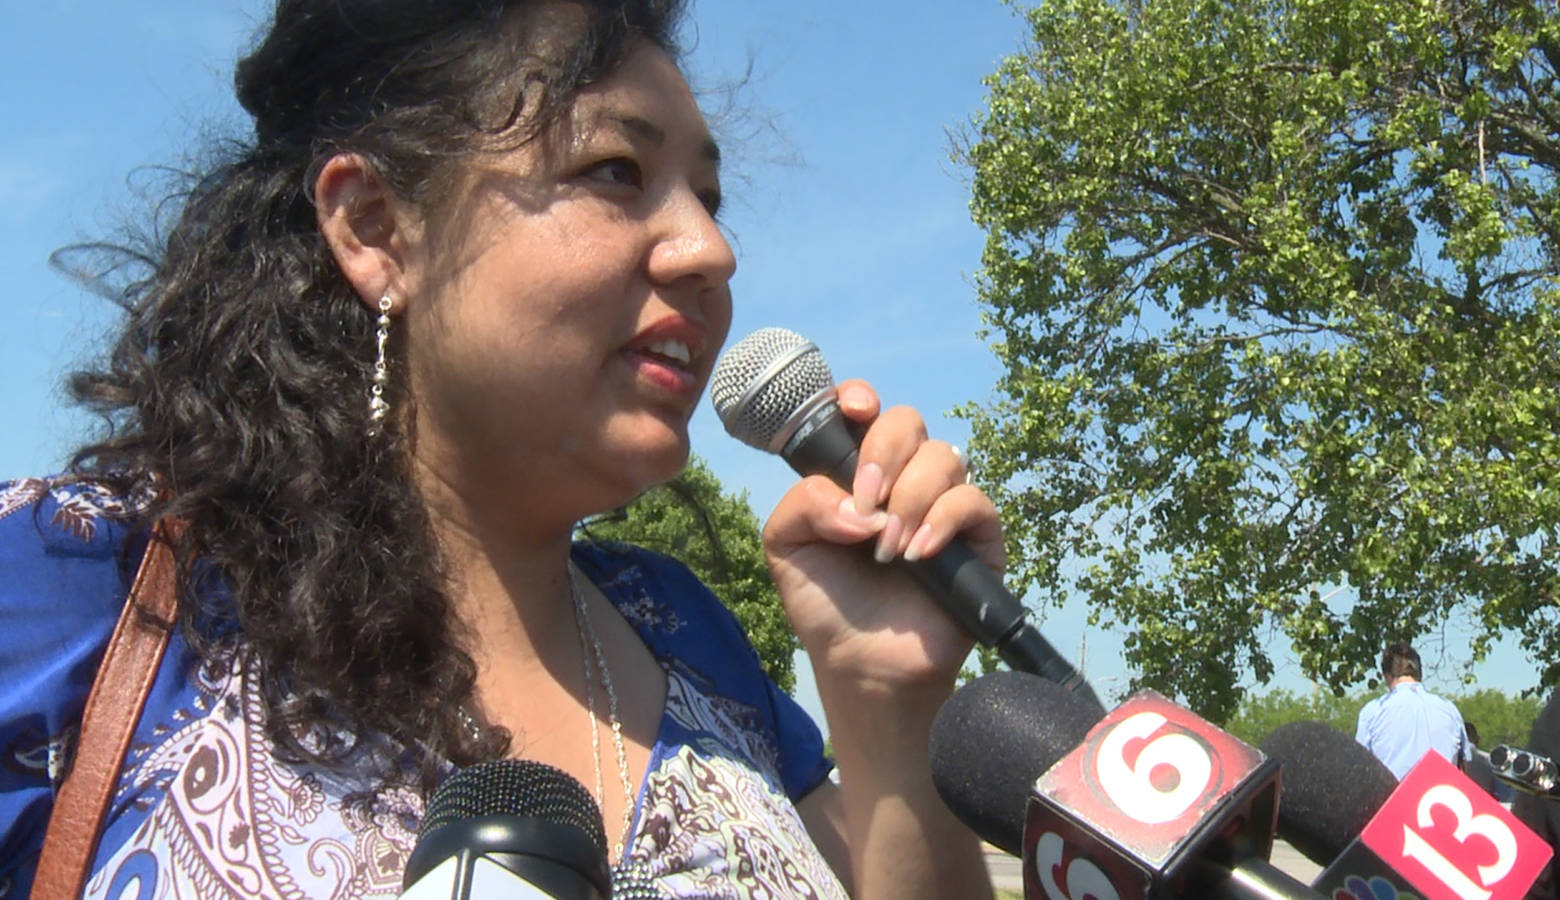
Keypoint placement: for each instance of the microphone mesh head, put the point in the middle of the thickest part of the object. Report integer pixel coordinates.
(517, 787)
(764, 378)
(633, 881)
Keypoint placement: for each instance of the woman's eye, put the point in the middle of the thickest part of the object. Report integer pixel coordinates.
(617, 171)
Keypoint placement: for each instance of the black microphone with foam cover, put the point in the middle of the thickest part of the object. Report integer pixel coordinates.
(1435, 834)
(1148, 802)
(1331, 788)
(1542, 813)
(773, 390)
(992, 739)
(509, 828)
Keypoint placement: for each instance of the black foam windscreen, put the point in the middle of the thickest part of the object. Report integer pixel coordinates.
(1331, 786)
(993, 738)
(515, 787)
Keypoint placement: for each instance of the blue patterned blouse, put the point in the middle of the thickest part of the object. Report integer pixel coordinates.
(205, 809)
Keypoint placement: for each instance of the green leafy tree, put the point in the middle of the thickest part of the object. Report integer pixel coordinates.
(1499, 717)
(1274, 286)
(1259, 714)
(717, 535)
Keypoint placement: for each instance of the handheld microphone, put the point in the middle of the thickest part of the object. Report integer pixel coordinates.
(1525, 770)
(773, 390)
(1148, 802)
(1332, 787)
(509, 828)
(1435, 835)
(992, 738)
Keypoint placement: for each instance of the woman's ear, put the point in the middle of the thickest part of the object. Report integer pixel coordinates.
(367, 227)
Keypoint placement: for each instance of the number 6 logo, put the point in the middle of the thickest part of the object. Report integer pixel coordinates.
(1084, 878)
(1131, 788)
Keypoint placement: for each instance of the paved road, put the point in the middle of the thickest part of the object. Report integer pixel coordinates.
(1006, 871)
(1290, 860)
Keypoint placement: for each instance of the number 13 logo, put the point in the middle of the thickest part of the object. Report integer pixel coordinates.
(1484, 825)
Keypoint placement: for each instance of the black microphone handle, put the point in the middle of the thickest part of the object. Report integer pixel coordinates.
(827, 443)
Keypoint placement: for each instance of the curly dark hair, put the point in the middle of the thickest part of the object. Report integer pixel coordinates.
(237, 390)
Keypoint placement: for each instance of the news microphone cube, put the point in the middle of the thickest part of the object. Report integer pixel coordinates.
(1359, 874)
(1151, 804)
(1440, 837)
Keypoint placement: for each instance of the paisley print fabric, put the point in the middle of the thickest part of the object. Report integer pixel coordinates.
(204, 808)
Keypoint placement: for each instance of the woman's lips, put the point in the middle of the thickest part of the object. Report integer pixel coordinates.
(663, 372)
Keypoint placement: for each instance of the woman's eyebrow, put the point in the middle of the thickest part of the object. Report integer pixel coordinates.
(647, 130)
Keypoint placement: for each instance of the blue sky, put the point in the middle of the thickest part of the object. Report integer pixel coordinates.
(850, 221)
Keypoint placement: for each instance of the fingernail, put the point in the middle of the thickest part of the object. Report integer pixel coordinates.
(917, 546)
(867, 486)
(855, 400)
(870, 523)
(888, 539)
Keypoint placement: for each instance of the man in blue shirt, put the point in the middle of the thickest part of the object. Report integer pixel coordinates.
(1400, 727)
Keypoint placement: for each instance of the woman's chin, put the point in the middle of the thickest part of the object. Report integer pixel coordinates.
(638, 472)
(668, 465)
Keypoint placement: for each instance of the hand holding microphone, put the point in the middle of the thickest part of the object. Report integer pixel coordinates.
(884, 654)
(773, 391)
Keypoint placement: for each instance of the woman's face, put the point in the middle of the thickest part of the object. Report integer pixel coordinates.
(563, 317)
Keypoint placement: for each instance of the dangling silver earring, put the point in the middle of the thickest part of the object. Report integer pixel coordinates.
(378, 407)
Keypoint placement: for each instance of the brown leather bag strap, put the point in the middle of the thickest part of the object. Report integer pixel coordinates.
(113, 706)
